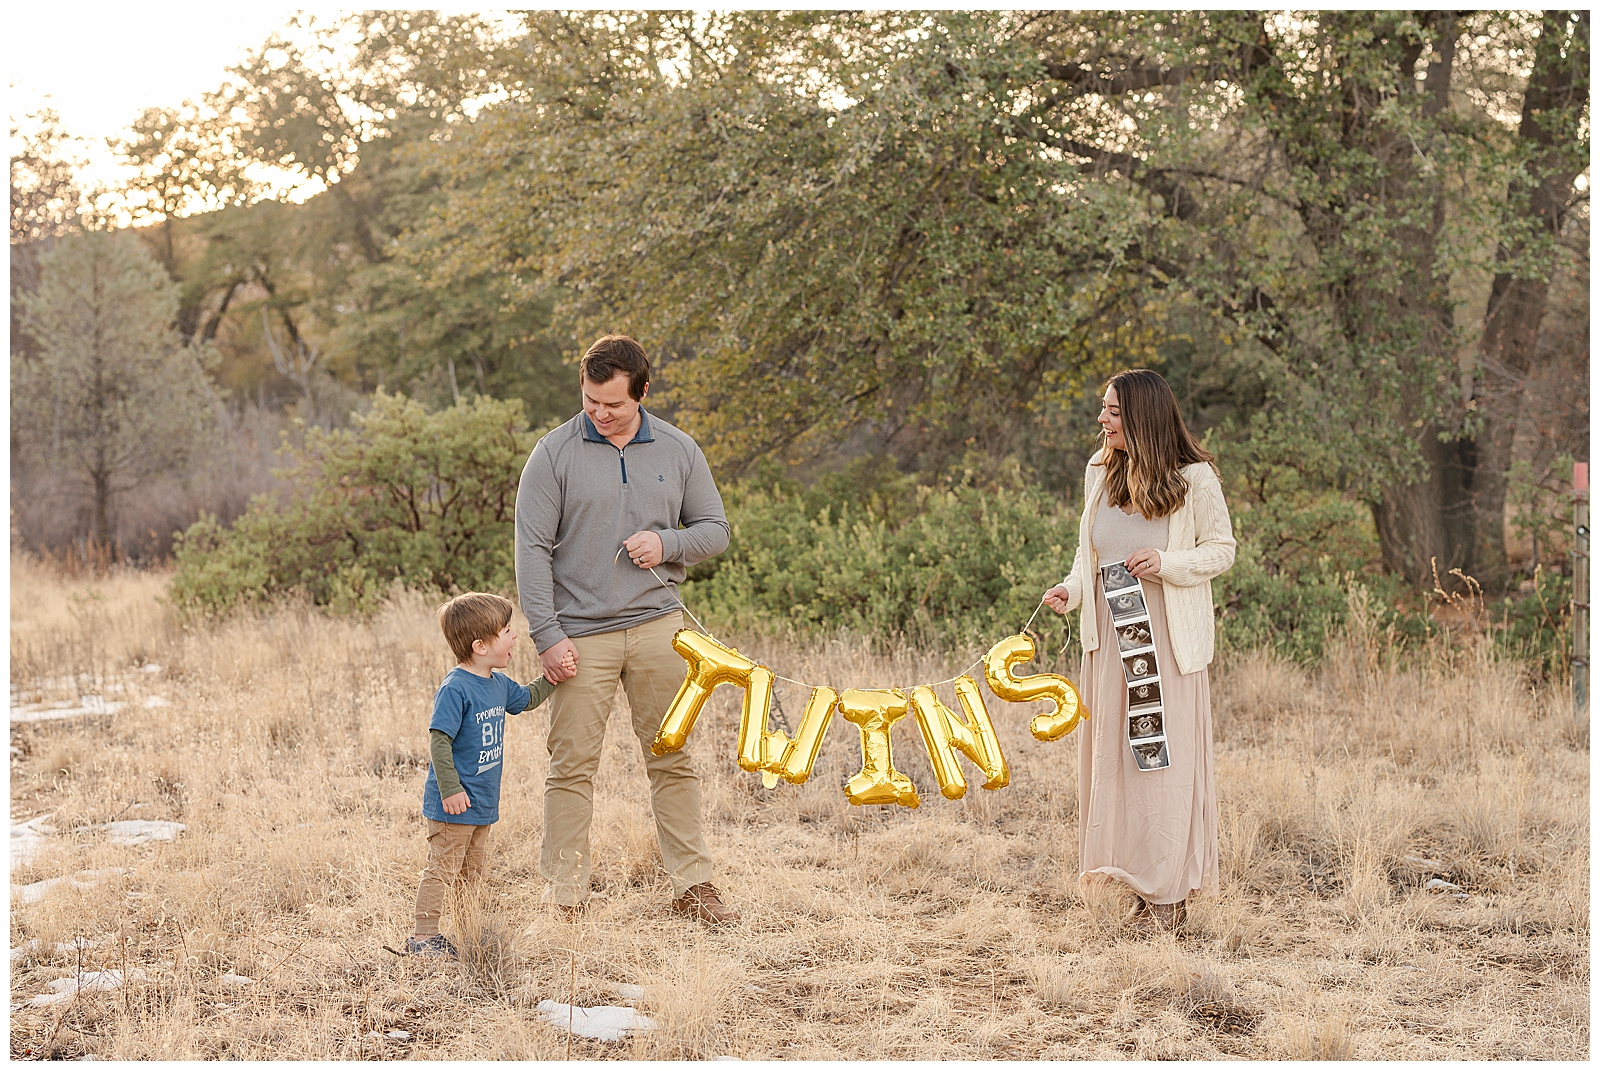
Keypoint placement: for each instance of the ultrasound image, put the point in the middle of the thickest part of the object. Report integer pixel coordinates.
(1142, 695)
(1137, 666)
(1145, 725)
(1115, 577)
(1152, 756)
(1125, 606)
(1133, 637)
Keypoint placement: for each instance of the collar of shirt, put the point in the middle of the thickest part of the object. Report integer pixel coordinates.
(592, 433)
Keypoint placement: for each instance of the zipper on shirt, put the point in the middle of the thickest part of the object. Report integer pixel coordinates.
(624, 462)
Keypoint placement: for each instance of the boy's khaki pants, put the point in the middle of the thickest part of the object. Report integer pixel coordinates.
(650, 671)
(455, 853)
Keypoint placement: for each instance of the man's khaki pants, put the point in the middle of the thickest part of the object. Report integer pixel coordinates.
(641, 658)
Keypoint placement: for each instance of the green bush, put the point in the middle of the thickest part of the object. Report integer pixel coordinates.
(405, 495)
(871, 551)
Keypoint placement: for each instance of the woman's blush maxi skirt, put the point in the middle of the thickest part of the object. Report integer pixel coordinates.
(1155, 830)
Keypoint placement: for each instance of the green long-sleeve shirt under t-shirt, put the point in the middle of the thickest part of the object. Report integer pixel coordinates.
(440, 744)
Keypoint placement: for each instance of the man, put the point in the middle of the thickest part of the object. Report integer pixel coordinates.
(614, 478)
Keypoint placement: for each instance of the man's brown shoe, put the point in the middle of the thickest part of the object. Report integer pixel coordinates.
(704, 903)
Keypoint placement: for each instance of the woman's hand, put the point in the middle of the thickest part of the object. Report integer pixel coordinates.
(1056, 598)
(1143, 563)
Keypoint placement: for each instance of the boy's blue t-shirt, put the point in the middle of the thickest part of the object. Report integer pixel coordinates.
(472, 710)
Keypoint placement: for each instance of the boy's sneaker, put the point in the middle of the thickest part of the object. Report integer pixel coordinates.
(437, 945)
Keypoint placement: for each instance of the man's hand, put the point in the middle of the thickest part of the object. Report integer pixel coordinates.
(1143, 563)
(645, 549)
(1056, 598)
(456, 804)
(560, 661)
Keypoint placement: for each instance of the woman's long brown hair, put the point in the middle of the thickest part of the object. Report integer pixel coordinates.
(1148, 472)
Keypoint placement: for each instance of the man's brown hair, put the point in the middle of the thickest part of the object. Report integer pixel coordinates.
(611, 354)
(473, 616)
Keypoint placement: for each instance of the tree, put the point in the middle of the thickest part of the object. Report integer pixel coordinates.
(45, 196)
(179, 165)
(111, 394)
(424, 498)
(1552, 137)
(930, 229)
(896, 264)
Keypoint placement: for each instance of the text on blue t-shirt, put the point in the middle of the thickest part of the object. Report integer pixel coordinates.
(471, 710)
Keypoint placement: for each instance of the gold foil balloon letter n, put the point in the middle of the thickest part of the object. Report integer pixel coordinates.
(945, 733)
(1066, 706)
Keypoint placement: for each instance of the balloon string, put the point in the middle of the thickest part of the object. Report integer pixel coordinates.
(804, 684)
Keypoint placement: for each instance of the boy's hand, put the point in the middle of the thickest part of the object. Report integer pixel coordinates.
(457, 804)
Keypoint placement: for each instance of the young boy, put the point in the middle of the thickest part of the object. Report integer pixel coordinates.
(461, 798)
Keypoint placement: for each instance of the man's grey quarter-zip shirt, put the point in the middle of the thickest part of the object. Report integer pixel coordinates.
(580, 497)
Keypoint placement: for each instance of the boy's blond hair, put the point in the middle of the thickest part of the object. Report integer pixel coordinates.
(473, 616)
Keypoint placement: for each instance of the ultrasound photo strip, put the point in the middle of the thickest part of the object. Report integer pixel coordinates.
(1126, 596)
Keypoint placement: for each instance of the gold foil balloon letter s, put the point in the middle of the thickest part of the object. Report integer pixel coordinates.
(1066, 706)
(873, 711)
(710, 664)
(945, 733)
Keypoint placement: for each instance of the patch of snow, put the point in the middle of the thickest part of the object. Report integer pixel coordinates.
(605, 1023)
(83, 879)
(1440, 885)
(155, 701)
(399, 1035)
(629, 991)
(88, 705)
(150, 667)
(137, 830)
(27, 838)
(235, 979)
(87, 982)
(143, 831)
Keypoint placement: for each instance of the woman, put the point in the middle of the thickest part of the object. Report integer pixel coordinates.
(1147, 806)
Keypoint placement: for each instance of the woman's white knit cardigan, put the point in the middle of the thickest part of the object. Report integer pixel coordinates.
(1200, 545)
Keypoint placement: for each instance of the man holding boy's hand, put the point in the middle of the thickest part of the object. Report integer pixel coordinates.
(614, 480)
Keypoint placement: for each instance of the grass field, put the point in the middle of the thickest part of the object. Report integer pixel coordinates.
(293, 748)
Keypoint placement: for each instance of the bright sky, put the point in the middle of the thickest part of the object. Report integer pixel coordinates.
(100, 65)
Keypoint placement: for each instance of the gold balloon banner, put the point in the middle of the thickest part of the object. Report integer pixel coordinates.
(873, 711)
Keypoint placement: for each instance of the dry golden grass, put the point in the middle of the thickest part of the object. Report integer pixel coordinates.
(295, 745)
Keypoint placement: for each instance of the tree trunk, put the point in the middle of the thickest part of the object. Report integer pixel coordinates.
(1426, 529)
(1558, 85)
(100, 525)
